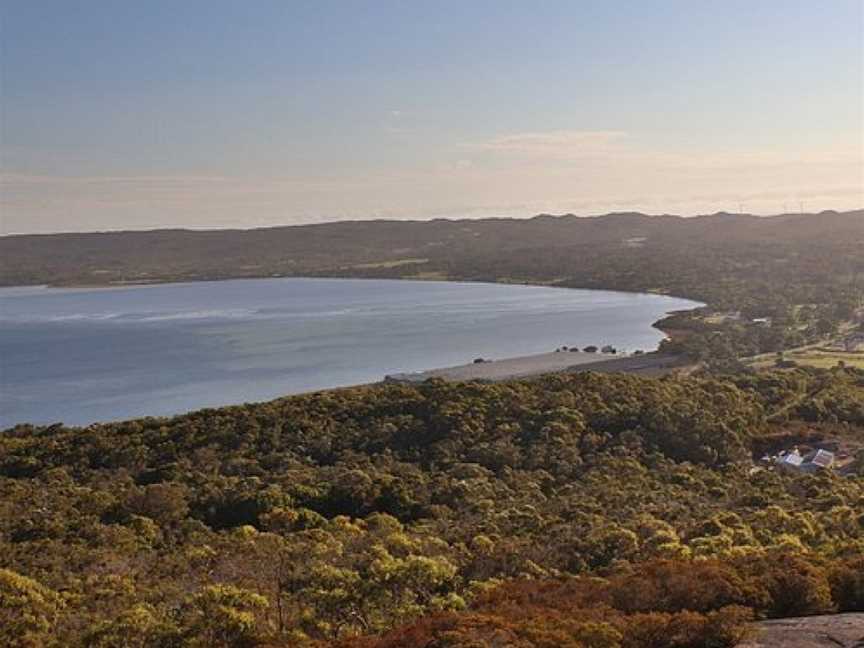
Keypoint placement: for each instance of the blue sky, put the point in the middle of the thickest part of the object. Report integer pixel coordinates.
(120, 114)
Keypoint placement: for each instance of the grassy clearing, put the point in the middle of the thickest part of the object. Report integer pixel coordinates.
(824, 359)
(820, 358)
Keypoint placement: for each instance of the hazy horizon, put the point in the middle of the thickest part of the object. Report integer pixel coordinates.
(217, 115)
(206, 228)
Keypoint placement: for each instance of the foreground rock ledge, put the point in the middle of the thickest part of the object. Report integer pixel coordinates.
(833, 630)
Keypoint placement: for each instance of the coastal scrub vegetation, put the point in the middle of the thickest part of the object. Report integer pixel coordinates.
(580, 510)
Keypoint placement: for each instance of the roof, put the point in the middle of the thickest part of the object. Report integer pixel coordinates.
(821, 458)
(792, 459)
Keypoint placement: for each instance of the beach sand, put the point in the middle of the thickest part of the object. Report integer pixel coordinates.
(544, 363)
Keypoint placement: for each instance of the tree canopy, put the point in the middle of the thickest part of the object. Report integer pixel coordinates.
(572, 510)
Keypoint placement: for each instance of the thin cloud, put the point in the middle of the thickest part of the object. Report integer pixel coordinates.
(36, 179)
(560, 143)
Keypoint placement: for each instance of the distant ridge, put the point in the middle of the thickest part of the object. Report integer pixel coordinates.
(543, 217)
(354, 248)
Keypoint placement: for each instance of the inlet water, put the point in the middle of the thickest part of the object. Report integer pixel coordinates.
(85, 355)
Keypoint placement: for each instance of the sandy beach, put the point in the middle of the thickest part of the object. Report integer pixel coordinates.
(544, 363)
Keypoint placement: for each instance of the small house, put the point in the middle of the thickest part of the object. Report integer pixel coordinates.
(811, 462)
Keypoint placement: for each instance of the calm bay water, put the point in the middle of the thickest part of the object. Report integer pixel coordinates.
(85, 355)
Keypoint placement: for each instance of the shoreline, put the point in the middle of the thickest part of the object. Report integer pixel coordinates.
(543, 364)
(158, 282)
(650, 364)
(502, 369)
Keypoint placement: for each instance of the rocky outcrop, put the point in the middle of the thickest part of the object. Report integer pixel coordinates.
(829, 631)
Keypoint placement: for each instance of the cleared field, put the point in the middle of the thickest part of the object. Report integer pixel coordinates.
(819, 358)
(825, 358)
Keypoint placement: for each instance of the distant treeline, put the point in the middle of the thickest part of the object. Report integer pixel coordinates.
(606, 250)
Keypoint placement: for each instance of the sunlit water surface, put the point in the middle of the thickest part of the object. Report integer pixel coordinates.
(85, 355)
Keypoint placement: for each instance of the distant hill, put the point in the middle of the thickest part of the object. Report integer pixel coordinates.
(494, 248)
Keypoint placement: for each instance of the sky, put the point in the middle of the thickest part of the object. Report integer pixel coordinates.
(218, 113)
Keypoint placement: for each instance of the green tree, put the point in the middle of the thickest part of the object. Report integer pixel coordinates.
(222, 616)
(28, 610)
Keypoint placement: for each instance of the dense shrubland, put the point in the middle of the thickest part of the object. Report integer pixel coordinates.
(584, 510)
